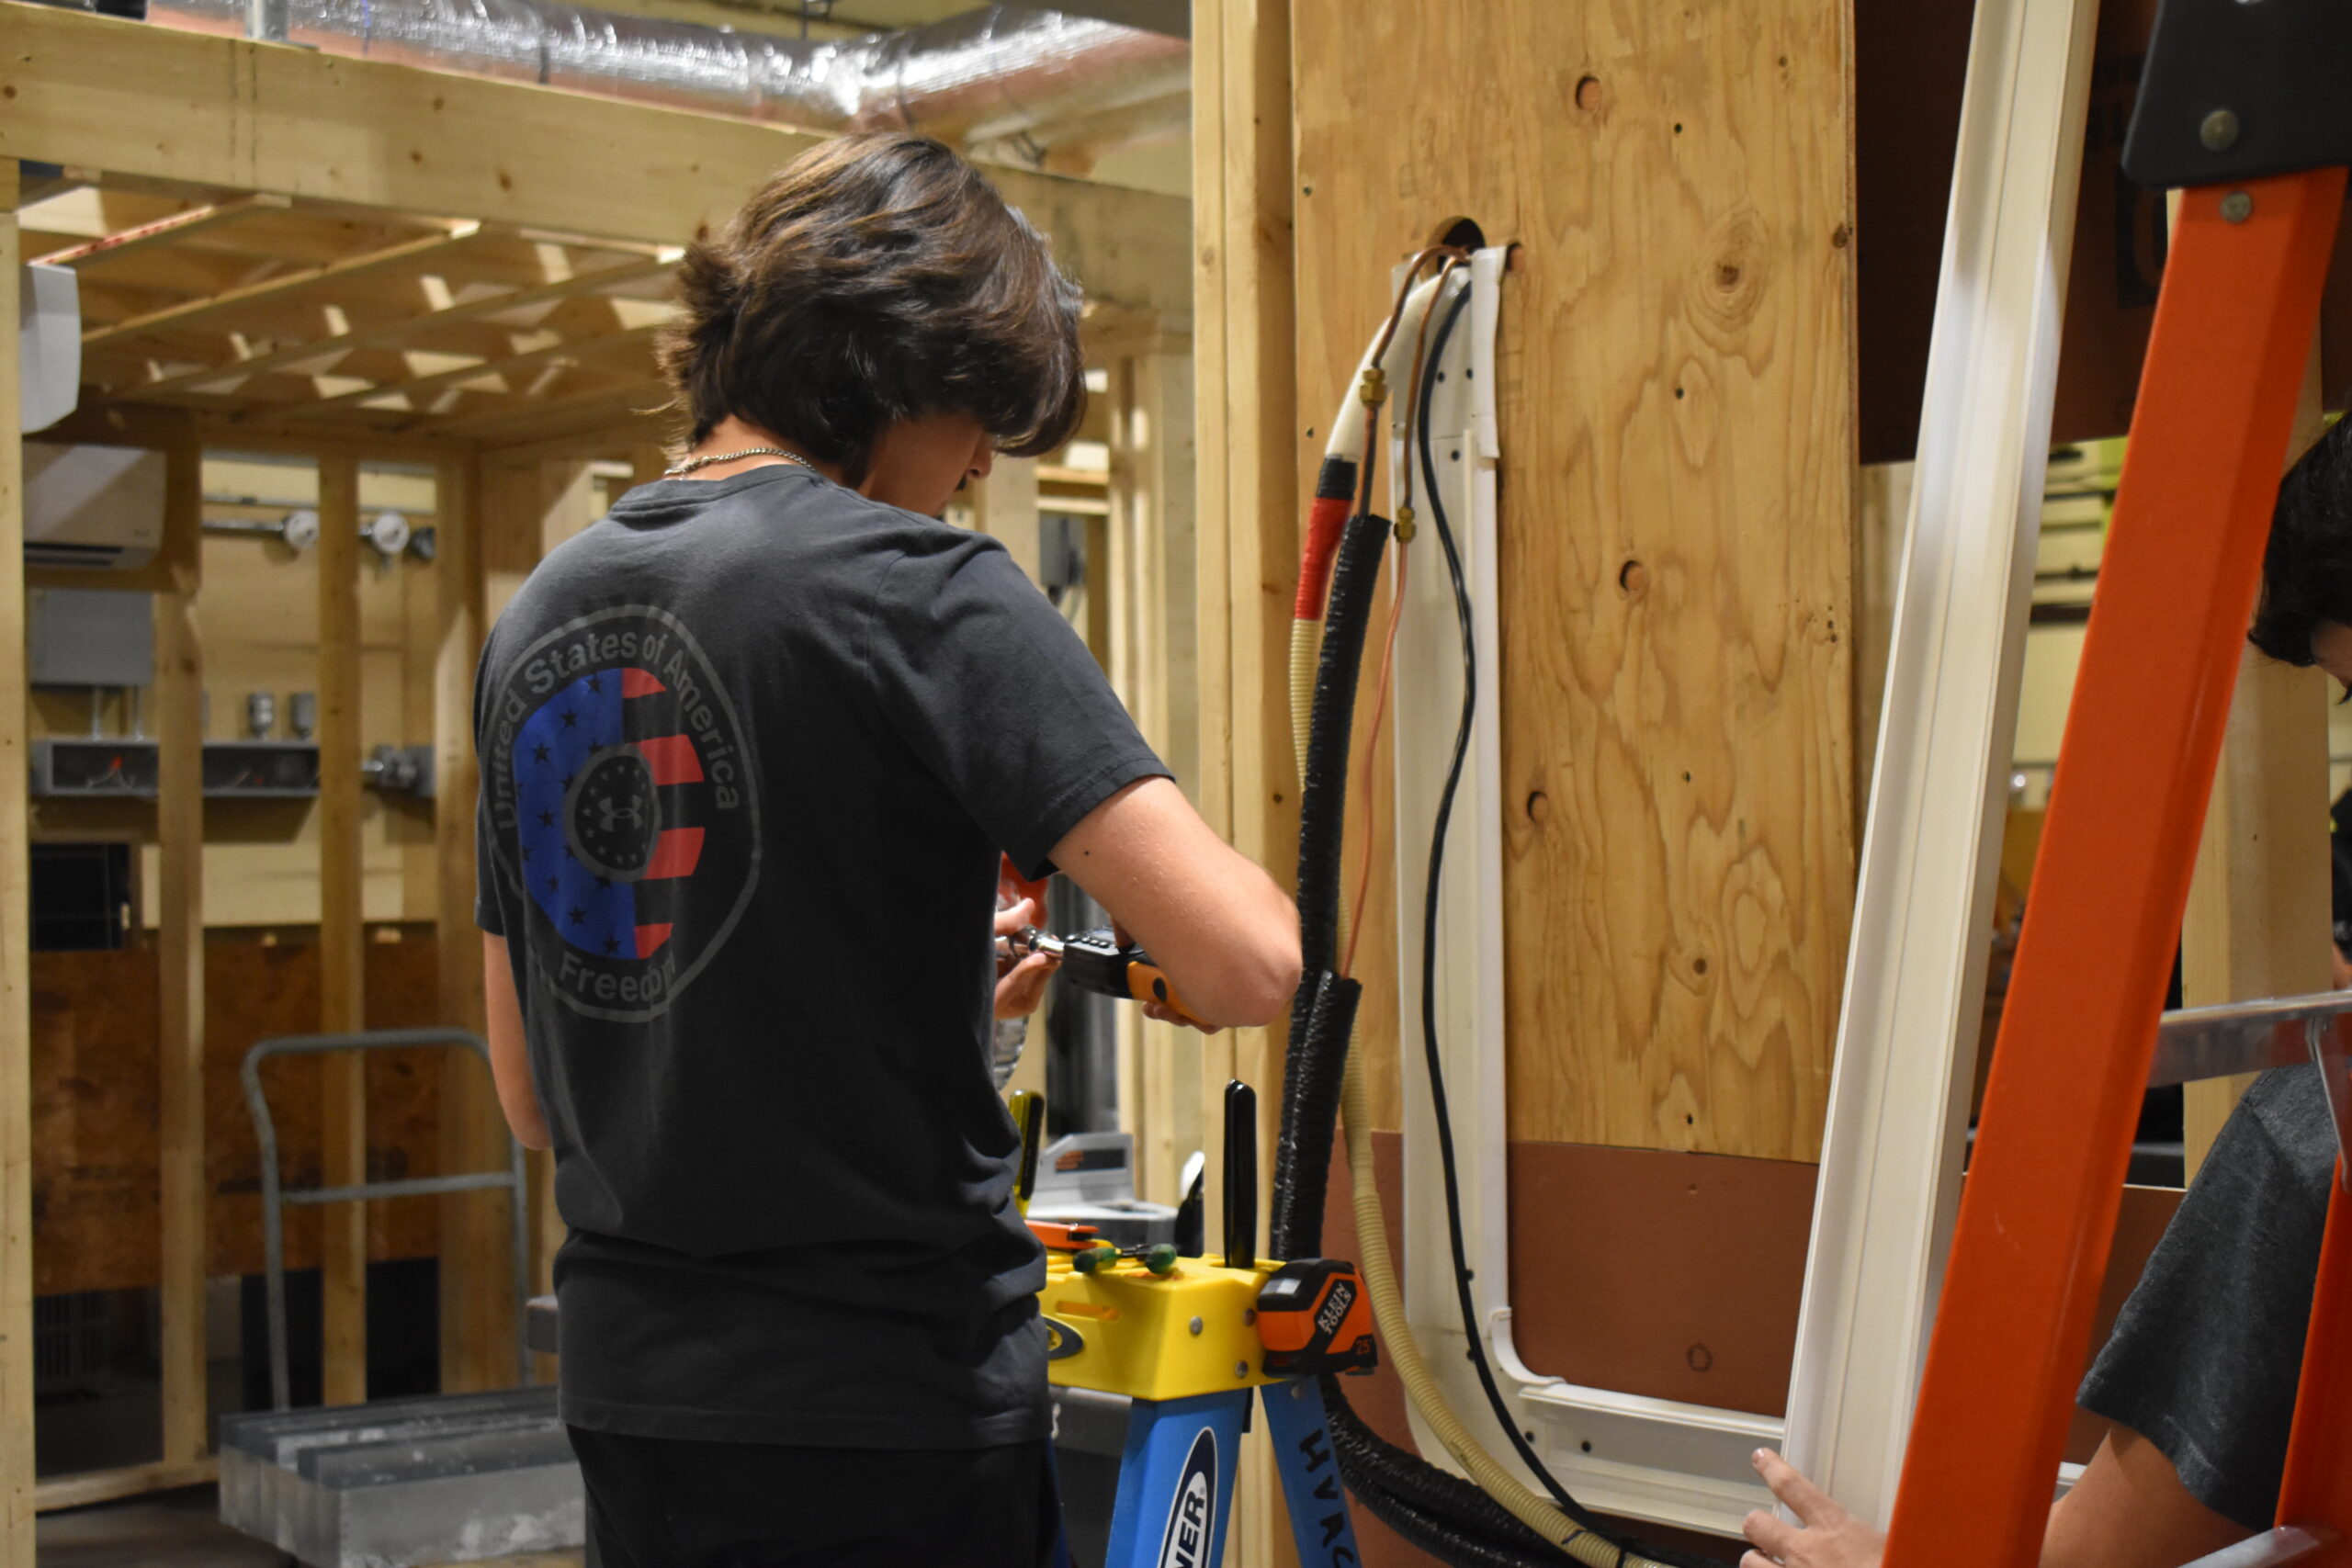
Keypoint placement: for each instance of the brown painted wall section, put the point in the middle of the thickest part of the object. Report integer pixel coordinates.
(1674, 1275)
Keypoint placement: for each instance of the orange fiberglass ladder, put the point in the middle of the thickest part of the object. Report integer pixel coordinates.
(2243, 104)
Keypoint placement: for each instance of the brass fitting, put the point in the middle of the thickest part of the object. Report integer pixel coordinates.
(1375, 386)
(1405, 529)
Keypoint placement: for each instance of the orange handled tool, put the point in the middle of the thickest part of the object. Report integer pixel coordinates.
(1096, 961)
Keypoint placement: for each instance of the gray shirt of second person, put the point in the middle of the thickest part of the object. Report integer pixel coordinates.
(2208, 1351)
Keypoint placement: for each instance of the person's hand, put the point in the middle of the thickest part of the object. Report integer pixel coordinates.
(1826, 1534)
(1021, 987)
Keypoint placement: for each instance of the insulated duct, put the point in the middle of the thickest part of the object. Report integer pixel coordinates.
(993, 72)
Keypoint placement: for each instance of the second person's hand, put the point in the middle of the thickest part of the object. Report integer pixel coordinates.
(1021, 987)
(1826, 1534)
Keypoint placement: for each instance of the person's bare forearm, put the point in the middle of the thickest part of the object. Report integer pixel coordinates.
(510, 1053)
(1222, 930)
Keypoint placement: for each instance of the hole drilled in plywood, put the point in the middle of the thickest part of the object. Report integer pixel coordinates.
(1464, 232)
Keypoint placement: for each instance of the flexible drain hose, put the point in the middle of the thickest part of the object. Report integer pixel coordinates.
(1502, 1522)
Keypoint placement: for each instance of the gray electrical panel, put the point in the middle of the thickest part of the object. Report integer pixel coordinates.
(92, 637)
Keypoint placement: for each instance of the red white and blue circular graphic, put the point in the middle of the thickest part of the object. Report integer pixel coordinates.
(622, 801)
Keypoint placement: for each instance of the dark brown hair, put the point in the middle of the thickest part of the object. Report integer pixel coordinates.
(877, 277)
(2307, 566)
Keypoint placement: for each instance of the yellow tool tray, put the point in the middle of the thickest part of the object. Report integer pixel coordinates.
(1126, 1330)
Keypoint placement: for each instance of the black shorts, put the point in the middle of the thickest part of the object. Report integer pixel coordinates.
(675, 1503)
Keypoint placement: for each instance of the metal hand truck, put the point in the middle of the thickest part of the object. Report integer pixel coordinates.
(274, 1197)
(2241, 104)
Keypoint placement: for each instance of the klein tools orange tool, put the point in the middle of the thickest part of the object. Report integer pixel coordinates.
(1097, 960)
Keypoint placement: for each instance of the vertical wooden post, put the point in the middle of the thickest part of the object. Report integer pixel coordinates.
(16, 1053)
(477, 1302)
(1152, 608)
(1245, 316)
(2258, 907)
(646, 463)
(1004, 507)
(341, 954)
(1248, 495)
(567, 501)
(1142, 1115)
(179, 835)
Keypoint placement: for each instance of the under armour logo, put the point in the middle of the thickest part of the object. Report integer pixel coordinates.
(615, 813)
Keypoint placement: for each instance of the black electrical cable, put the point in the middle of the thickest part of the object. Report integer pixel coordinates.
(1426, 391)
(1431, 886)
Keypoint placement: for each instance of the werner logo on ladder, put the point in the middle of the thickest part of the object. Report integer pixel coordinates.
(2242, 104)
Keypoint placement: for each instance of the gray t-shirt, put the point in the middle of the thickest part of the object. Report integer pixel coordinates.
(750, 748)
(2207, 1352)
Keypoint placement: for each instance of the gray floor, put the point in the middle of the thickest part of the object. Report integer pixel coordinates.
(181, 1530)
(178, 1529)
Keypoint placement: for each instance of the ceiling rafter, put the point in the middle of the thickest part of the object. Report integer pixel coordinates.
(574, 350)
(280, 356)
(172, 229)
(178, 317)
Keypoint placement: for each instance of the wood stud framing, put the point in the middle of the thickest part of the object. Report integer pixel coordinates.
(477, 1302)
(1150, 596)
(342, 1078)
(179, 832)
(1247, 511)
(16, 897)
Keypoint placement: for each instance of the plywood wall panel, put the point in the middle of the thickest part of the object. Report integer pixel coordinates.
(95, 1169)
(1678, 424)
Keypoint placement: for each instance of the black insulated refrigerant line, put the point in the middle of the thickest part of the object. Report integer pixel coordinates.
(1434, 1509)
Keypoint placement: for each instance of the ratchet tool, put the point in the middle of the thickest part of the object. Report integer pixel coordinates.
(1096, 961)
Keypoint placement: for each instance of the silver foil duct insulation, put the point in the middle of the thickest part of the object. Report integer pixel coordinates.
(992, 73)
(999, 71)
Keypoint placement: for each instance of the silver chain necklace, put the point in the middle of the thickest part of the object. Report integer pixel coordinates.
(691, 464)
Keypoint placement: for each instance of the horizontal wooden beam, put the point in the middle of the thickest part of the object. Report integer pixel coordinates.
(136, 425)
(176, 318)
(168, 229)
(155, 102)
(129, 1481)
(616, 409)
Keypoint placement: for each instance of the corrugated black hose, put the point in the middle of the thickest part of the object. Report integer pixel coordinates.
(1434, 1509)
(1311, 1098)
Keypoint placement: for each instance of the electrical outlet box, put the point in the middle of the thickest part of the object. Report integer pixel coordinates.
(284, 770)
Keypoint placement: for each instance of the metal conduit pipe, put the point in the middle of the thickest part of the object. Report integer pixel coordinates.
(996, 72)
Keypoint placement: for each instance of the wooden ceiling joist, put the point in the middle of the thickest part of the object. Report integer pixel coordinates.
(604, 408)
(418, 328)
(305, 249)
(423, 386)
(180, 317)
(172, 229)
(153, 102)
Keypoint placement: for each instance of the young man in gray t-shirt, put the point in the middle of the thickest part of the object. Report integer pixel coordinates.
(751, 746)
